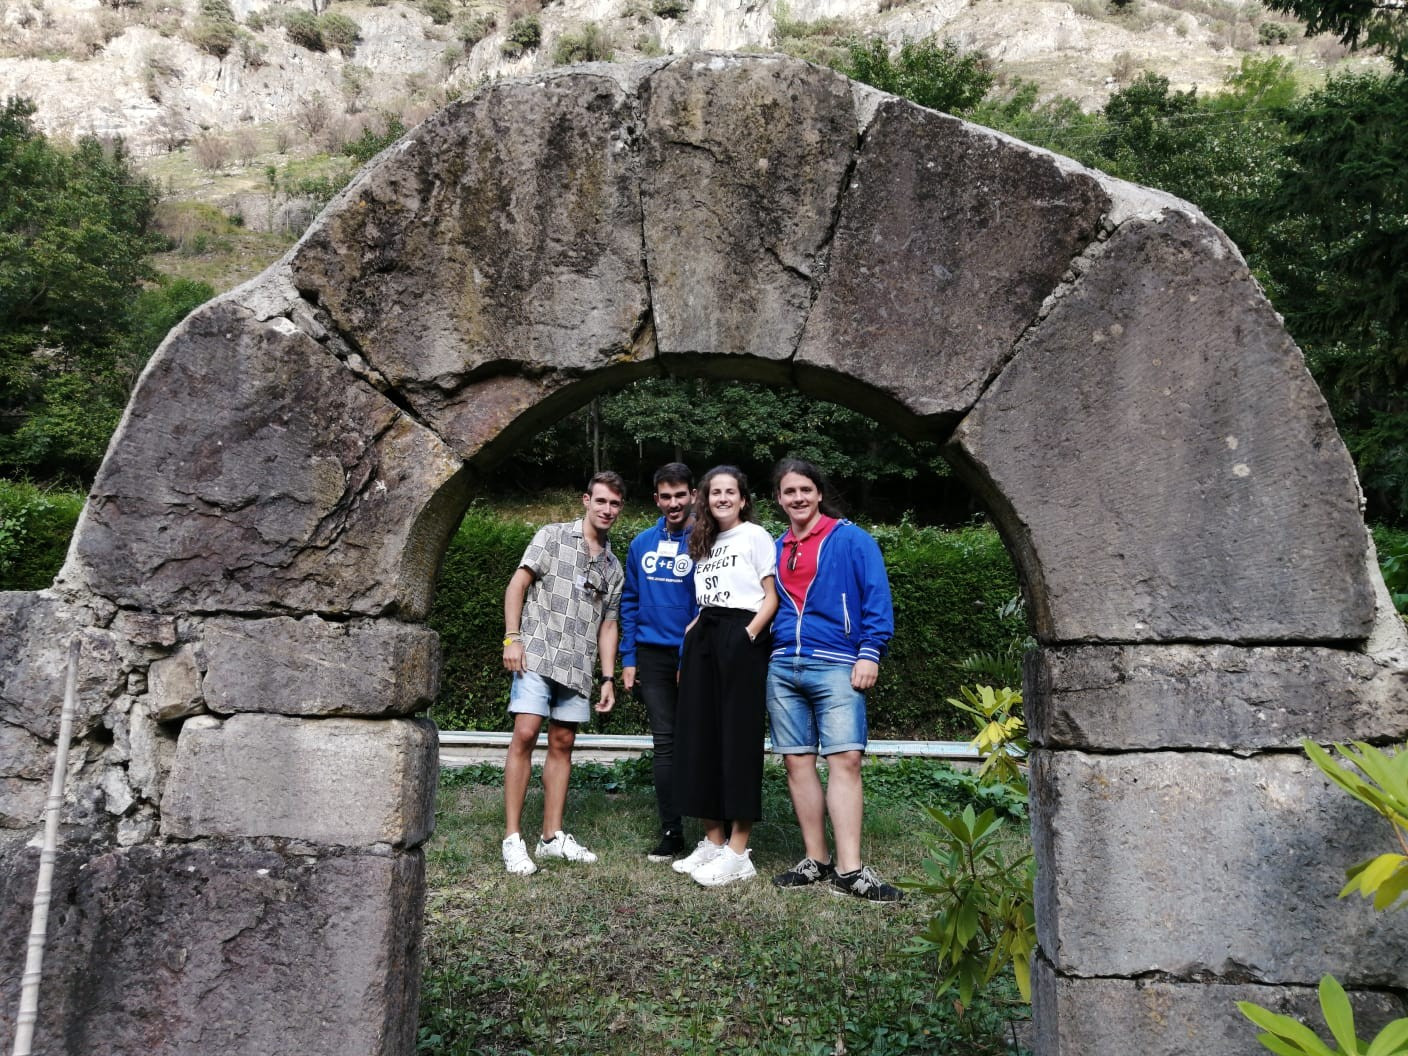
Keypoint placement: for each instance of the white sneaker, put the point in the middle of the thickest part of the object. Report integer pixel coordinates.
(516, 859)
(703, 852)
(563, 845)
(725, 868)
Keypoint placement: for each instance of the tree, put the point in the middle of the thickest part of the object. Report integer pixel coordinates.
(939, 76)
(1336, 258)
(1375, 25)
(76, 233)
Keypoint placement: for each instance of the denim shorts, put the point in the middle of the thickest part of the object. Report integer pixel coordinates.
(812, 702)
(535, 695)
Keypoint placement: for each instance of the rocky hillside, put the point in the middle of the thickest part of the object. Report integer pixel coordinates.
(159, 72)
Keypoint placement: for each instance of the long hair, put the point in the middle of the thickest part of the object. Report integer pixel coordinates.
(706, 526)
(802, 467)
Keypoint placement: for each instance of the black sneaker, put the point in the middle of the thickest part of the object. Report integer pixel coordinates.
(671, 844)
(863, 883)
(807, 871)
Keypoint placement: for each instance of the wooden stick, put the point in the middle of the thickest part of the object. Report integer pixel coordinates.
(43, 887)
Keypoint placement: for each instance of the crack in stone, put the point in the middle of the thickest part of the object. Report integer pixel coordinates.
(1070, 281)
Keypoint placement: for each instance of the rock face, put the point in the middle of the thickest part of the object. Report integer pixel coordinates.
(1237, 884)
(1169, 417)
(303, 779)
(263, 539)
(324, 510)
(221, 948)
(1161, 1018)
(1130, 698)
(925, 227)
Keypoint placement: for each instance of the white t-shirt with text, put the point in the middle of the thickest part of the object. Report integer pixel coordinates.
(731, 575)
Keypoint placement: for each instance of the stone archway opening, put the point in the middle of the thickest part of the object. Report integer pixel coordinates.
(257, 555)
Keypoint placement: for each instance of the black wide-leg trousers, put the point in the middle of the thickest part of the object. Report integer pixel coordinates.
(720, 719)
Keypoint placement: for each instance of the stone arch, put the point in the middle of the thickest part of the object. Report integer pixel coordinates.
(259, 549)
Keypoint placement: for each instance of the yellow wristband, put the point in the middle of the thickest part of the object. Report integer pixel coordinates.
(512, 641)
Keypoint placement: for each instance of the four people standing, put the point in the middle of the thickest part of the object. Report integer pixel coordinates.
(808, 670)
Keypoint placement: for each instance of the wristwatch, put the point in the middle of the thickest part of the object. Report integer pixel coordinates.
(605, 678)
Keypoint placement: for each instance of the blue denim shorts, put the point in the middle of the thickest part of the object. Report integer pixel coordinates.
(535, 695)
(811, 703)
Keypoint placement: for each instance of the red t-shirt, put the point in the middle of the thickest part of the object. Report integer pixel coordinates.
(797, 573)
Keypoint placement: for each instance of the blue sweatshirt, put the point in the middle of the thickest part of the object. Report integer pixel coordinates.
(657, 601)
(846, 615)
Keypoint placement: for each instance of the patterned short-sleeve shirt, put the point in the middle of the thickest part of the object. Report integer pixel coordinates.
(572, 592)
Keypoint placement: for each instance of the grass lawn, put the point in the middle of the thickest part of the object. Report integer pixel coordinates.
(627, 956)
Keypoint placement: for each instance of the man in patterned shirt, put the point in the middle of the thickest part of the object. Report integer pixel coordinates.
(560, 612)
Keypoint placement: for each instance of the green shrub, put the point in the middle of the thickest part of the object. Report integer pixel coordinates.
(1392, 544)
(438, 11)
(340, 32)
(592, 44)
(371, 142)
(1272, 33)
(941, 76)
(214, 36)
(524, 34)
(471, 31)
(35, 527)
(669, 8)
(982, 884)
(302, 28)
(950, 592)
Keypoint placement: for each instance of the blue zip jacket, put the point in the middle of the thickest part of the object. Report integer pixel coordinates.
(846, 615)
(657, 601)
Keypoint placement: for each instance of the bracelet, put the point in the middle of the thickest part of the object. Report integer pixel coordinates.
(512, 638)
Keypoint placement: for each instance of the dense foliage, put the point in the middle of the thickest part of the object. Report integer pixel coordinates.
(950, 590)
(1376, 25)
(938, 75)
(35, 527)
(705, 423)
(80, 306)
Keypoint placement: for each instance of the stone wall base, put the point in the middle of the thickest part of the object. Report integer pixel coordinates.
(1122, 1017)
(221, 949)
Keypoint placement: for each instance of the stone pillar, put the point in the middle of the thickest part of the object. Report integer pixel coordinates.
(240, 868)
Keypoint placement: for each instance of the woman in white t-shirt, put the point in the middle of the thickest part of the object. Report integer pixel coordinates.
(723, 674)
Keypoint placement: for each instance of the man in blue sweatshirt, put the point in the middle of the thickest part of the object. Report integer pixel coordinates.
(832, 628)
(657, 603)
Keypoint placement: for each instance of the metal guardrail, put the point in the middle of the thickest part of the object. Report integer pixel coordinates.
(961, 751)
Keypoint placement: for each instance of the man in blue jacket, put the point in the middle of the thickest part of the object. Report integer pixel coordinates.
(832, 627)
(657, 603)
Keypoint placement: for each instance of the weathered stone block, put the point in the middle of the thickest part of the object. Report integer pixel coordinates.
(937, 214)
(220, 950)
(354, 782)
(173, 686)
(745, 157)
(1144, 452)
(513, 219)
(1196, 864)
(252, 472)
(1124, 1017)
(35, 631)
(1122, 697)
(317, 667)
